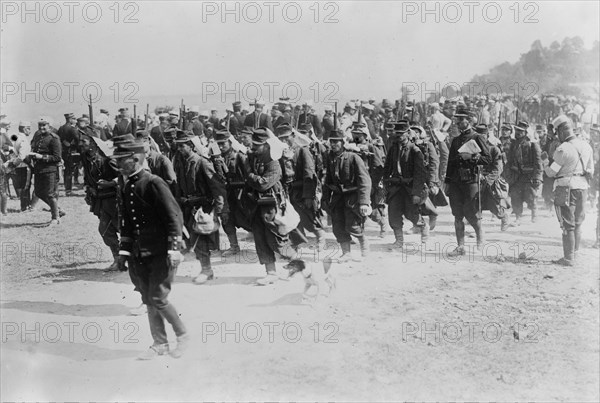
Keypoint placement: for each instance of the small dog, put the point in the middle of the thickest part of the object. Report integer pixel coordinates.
(311, 278)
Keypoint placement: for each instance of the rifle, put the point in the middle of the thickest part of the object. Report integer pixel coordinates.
(257, 117)
(335, 116)
(146, 117)
(91, 111)
(182, 115)
(359, 112)
(134, 120)
(412, 114)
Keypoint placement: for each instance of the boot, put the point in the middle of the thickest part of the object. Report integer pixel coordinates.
(383, 227)
(424, 232)
(271, 276)
(114, 265)
(534, 215)
(364, 246)
(206, 274)
(3, 203)
(504, 223)
(432, 222)
(479, 233)
(517, 222)
(568, 241)
(345, 251)
(399, 244)
(459, 228)
(234, 246)
(321, 243)
(577, 240)
(182, 345)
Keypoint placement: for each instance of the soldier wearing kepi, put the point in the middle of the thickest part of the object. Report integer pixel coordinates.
(45, 157)
(158, 164)
(405, 176)
(462, 179)
(235, 160)
(257, 118)
(151, 226)
(124, 124)
(571, 169)
(69, 138)
(346, 194)
(99, 177)
(299, 173)
(198, 187)
(524, 172)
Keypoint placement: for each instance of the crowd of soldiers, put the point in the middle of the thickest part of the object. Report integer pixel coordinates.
(164, 184)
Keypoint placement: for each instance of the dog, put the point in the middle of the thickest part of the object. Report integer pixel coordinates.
(312, 278)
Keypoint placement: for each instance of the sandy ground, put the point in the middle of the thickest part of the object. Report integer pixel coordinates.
(399, 326)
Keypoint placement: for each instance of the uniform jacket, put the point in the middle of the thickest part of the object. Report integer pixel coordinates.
(263, 121)
(298, 170)
(49, 146)
(69, 137)
(95, 168)
(346, 171)
(123, 127)
(405, 166)
(524, 162)
(456, 163)
(150, 217)
(158, 134)
(162, 167)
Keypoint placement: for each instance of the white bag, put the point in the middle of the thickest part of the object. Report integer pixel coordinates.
(288, 221)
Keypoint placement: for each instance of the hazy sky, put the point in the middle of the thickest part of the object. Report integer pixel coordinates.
(173, 49)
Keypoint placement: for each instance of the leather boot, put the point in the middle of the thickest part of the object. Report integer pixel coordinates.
(364, 246)
(397, 246)
(568, 241)
(577, 241)
(424, 232)
(234, 246)
(3, 203)
(459, 228)
(478, 227)
(346, 248)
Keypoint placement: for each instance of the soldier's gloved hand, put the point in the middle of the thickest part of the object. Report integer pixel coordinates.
(224, 218)
(309, 203)
(416, 200)
(365, 210)
(122, 263)
(175, 257)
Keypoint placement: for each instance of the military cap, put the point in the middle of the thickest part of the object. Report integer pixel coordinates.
(350, 105)
(104, 111)
(481, 128)
(128, 149)
(125, 138)
(462, 111)
(222, 136)
(24, 123)
(247, 131)
(328, 108)
(287, 108)
(258, 102)
(560, 120)
(308, 102)
(284, 130)
(522, 126)
(182, 136)
(507, 126)
(142, 134)
(260, 135)
(336, 135)
(69, 116)
(204, 113)
(42, 122)
(362, 130)
(401, 126)
(237, 103)
(368, 107)
(163, 116)
(174, 113)
(121, 110)
(83, 119)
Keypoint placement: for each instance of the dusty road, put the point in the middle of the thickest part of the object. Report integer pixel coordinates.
(400, 326)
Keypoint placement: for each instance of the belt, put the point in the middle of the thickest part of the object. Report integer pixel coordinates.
(560, 177)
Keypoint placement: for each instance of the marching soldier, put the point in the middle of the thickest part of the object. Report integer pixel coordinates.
(151, 226)
(45, 157)
(124, 125)
(195, 125)
(257, 118)
(158, 164)
(462, 180)
(405, 176)
(572, 168)
(308, 117)
(494, 191)
(158, 134)
(235, 161)
(346, 194)
(264, 184)
(299, 175)
(431, 161)
(99, 174)
(548, 144)
(524, 172)
(198, 187)
(22, 178)
(327, 121)
(69, 137)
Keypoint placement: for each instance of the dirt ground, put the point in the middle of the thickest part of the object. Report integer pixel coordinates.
(399, 326)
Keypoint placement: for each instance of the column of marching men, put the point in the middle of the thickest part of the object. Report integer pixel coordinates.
(165, 184)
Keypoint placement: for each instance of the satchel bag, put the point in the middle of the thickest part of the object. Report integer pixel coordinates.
(286, 221)
(562, 196)
(204, 223)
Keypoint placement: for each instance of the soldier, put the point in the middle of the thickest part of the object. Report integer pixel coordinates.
(404, 176)
(245, 137)
(198, 187)
(151, 226)
(374, 158)
(99, 174)
(277, 116)
(158, 164)
(349, 118)
(124, 125)
(431, 161)
(462, 180)
(266, 191)
(367, 111)
(494, 191)
(194, 124)
(258, 118)
(69, 137)
(346, 194)
(235, 160)
(158, 134)
(307, 116)
(524, 172)
(45, 157)
(302, 183)
(572, 167)
(548, 145)
(327, 121)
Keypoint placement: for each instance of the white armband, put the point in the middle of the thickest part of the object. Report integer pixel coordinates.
(555, 167)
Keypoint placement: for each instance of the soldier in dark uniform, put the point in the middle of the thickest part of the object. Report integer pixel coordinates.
(198, 187)
(257, 118)
(302, 183)
(494, 189)
(235, 175)
(405, 177)
(195, 125)
(524, 172)
(346, 194)
(124, 124)
(462, 178)
(151, 225)
(327, 122)
(548, 144)
(158, 164)
(45, 157)
(307, 117)
(99, 177)
(264, 186)
(69, 138)
(158, 134)
(431, 160)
